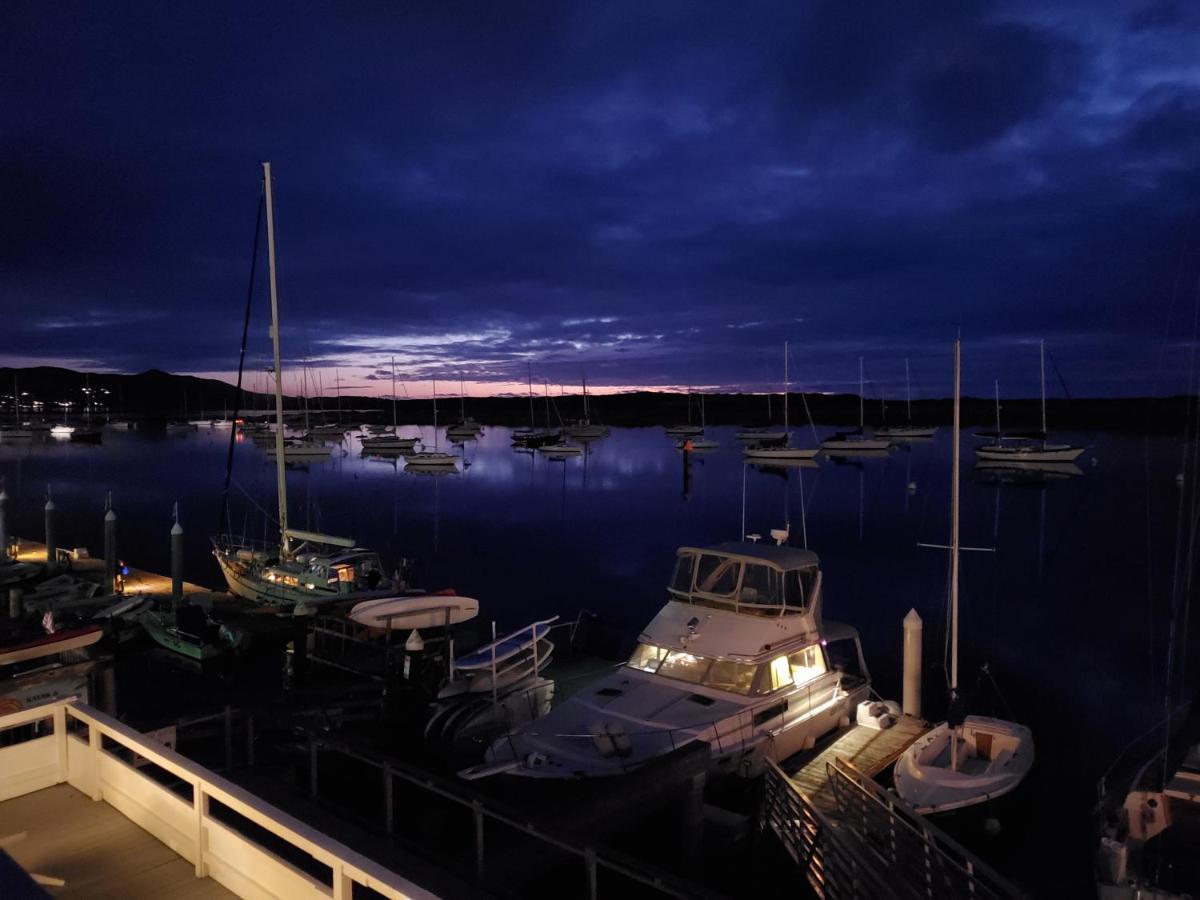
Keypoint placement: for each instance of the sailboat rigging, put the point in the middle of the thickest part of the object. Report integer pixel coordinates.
(305, 568)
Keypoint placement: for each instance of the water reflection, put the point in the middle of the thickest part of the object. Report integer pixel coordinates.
(1070, 611)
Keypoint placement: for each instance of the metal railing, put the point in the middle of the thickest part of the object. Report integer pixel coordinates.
(874, 845)
(486, 814)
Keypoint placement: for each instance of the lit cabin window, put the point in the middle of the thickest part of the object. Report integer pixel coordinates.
(647, 657)
(807, 664)
(779, 673)
(717, 575)
(727, 675)
(345, 573)
(684, 666)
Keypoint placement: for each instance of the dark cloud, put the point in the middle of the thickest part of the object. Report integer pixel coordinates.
(659, 194)
(1161, 14)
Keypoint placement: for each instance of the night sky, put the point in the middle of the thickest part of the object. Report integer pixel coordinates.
(654, 193)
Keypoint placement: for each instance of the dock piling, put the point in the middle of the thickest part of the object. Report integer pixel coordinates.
(51, 541)
(176, 559)
(913, 628)
(110, 547)
(14, 603)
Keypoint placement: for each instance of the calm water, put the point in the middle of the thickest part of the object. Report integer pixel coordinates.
(1070, 610)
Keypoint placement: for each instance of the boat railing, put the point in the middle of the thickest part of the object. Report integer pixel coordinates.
(209, 821)
(861, 840)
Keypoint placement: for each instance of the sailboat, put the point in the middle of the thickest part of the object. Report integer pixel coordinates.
(968, 759)
(1026, 447)
(688, 430)
(305, 567)
(784, 452)
(908, 431)
(855, 441)
(431, 459)
(389, 440)
(585, 429)
(466, 428)
(534, 436)
(700, 442)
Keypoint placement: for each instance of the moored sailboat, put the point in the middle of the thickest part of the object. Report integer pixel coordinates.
(305, 567)
(966, 760)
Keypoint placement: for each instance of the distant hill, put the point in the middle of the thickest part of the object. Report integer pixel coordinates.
(158, 395)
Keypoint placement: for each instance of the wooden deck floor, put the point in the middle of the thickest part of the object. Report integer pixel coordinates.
(869, 750)
(96, 850)
(138, 581)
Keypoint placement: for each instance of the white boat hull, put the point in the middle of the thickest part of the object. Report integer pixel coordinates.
(422, 611)
(854, 446)
(1046, 453)
(779, 454)
(994, 756)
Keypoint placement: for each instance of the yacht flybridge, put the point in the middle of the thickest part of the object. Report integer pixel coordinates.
(306, 567)
(738, 659)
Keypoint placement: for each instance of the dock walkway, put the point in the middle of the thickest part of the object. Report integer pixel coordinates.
(137, 581)
(869, 750)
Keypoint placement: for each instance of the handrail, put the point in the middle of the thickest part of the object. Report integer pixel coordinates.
(347, 866)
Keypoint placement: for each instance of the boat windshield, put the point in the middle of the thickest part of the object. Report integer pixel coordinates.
(742, 582)
(719, 674)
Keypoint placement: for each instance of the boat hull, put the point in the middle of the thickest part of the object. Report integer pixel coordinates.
(779, 454)
(985, 771)
(1049, 453)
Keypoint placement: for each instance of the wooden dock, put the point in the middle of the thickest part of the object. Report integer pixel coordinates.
(138, 581)
(869, 750)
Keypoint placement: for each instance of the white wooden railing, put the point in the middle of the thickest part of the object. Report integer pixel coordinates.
(58, 753)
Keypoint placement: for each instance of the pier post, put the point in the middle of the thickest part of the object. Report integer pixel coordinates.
(3, 527)
(110, 547)
(51, 541)
(14, 603)
(913, 628)
(176, 560)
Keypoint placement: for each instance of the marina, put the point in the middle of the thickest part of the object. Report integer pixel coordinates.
(402, 493)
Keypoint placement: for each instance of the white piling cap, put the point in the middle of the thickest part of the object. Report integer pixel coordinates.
(49, 505)
(3, 496)
(414, 643)
(913, 619)
(110, 516)
(176, 529)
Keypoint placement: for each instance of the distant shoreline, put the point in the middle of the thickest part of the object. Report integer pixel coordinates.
(158, 396)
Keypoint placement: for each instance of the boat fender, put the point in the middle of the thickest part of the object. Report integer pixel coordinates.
(621, 741)
(602, 740)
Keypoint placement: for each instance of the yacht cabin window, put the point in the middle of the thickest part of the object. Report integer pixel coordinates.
(681, 582)
(684, 666)
(647, 657)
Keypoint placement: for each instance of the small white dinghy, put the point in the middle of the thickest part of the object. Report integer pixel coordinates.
(421, 611)
(991, 757)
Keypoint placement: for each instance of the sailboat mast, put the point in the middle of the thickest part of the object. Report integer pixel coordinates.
(393, 393)
(280, 474)
(861, 417)
(954, 474)
(532, 424)
(435, 437)
(908, 390)
(997, 411)
(1043, 349)
(786, 386)
(462, 398)
(585, 405)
